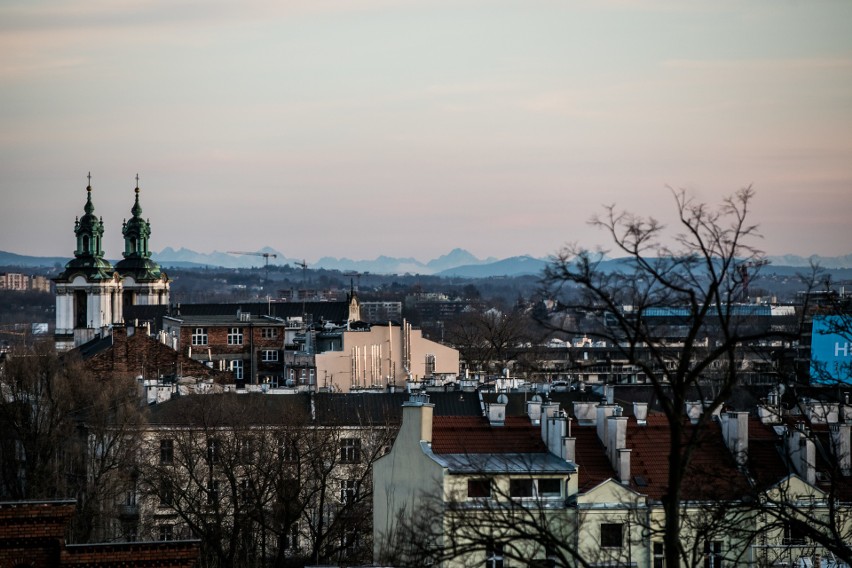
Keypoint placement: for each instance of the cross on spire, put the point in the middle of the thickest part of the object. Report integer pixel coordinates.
(90, 179)
(137, 180)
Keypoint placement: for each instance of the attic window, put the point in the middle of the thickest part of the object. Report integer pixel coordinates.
(478, 488)
(521, 488)
(640, 481)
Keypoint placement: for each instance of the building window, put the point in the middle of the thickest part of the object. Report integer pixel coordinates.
(246, 491)
(350, 450)
(167, 450)
(167, 494)
(237, 369)
(289, 450)
(213, 450)
(291, 537)
(478, 488)
(247, 447)
(213, 492)
(235, 336)
(713, 554)
(431, 363)
(199, 336)
(612, 535)
(521, 488)
(348, 491)
(549, 487)
(268, 333)
(494, 555)
(659, 555)
(167, 532)
(269, 355)
(792, 534)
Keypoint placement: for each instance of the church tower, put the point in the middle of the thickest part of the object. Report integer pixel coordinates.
(88, 291)
(143, 283)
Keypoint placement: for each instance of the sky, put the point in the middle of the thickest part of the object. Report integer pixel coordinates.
(356, 128)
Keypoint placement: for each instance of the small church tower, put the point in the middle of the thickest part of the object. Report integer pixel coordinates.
(143, 283)
(354, 304)
(88, 291)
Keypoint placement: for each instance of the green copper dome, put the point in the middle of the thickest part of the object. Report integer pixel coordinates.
(137, 261)
(89, 258)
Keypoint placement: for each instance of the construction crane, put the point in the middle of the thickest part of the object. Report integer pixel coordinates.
(745, 274)
(304, 266)
(266, 256)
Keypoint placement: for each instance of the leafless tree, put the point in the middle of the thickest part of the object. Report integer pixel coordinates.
(692, 272)
(66, 434)
(260, 486)
(489, 340)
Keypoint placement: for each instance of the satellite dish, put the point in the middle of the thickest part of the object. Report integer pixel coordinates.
(536, 398)
(503, 399)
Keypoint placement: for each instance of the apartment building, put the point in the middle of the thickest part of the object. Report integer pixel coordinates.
(754, 479)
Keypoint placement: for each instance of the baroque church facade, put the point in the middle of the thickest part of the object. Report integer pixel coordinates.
(91, 293)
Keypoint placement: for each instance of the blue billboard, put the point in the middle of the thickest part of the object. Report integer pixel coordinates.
(831, 349)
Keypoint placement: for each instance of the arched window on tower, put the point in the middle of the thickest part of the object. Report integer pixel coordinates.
(85, 243)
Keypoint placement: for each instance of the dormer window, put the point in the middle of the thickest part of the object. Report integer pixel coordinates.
(521, 488)
(546, 487)
(478, 488)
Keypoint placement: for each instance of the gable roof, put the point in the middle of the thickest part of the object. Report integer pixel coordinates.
(712, 474)
(138, 354)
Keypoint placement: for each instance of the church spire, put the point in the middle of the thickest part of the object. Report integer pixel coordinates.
(89, 256)
(137, 256)
(89, 229)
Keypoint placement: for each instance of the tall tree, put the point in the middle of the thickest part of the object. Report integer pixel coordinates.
(693, 274)
(259, 481)
(66, 434)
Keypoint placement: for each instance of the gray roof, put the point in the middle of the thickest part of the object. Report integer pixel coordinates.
(342, 409)
(534, 463)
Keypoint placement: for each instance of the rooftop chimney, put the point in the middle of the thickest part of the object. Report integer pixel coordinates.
(802, 453)
(604, 411)
(585, 412)
(534, 409)
(417, 415)
(640, 411)
(694, 409)
(841, 445)
(497, 411)
(735, 434)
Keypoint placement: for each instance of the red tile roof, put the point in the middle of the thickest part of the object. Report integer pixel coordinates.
(590, 458)
(474, 435)
(712, 473)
